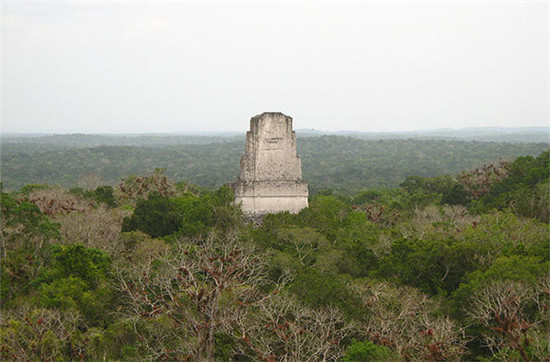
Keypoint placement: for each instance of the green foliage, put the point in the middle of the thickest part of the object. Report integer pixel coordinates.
(319, 290)
(76, 278)
(34, 342)
(89, 265)
(335, 239)
(25, 215)
(423, 191)
(433, 266)
(106, 195)
(224, 347)
(197, 214)
(363, 197)
(433, 185)
(28, 189)
(25, 230)
(516, 268)
(356, 242)
(157, 216)
(456, 195)
(503, 233)
(367, 351)
(326, 214)
(525, 190)
(65, 293)
(188, 215)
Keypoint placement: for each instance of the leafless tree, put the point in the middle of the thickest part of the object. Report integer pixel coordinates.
(91, 180)
(132, 188)
(97, 228)
(282, 329)
(29, 334)
(402, 319)
(201, 289)
(55, 201)
(437, 222)
(515, 316)
(479, 181)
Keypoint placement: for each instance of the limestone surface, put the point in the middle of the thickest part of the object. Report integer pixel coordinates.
(270, 180)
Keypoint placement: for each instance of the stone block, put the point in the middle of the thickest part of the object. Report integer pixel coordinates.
(270, 179)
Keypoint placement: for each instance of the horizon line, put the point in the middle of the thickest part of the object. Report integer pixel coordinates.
(302, 130)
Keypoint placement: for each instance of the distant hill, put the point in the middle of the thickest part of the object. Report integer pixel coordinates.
(347, 164)
(489, 134)
(93, 140)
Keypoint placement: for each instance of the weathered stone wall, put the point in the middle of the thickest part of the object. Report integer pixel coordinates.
(271, 172)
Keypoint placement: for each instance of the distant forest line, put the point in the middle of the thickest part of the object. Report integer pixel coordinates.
(484, 134)
(343, 164)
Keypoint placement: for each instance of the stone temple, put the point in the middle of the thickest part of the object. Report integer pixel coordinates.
(270, 180)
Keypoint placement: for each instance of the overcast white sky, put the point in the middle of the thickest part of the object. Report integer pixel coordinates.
(97, 67)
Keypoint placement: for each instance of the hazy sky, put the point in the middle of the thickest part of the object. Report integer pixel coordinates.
(139, 66)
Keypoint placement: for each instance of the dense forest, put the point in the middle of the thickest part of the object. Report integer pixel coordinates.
(485, 134)
(450, 262)
(344, 164)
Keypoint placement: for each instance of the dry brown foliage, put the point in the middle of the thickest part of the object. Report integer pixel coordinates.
(31, 334)
(402, 319)
(96, 228)
(282, 329)
(516, 317)
(479, 181)
(55, 201)
(198, 291)
(133, 188)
